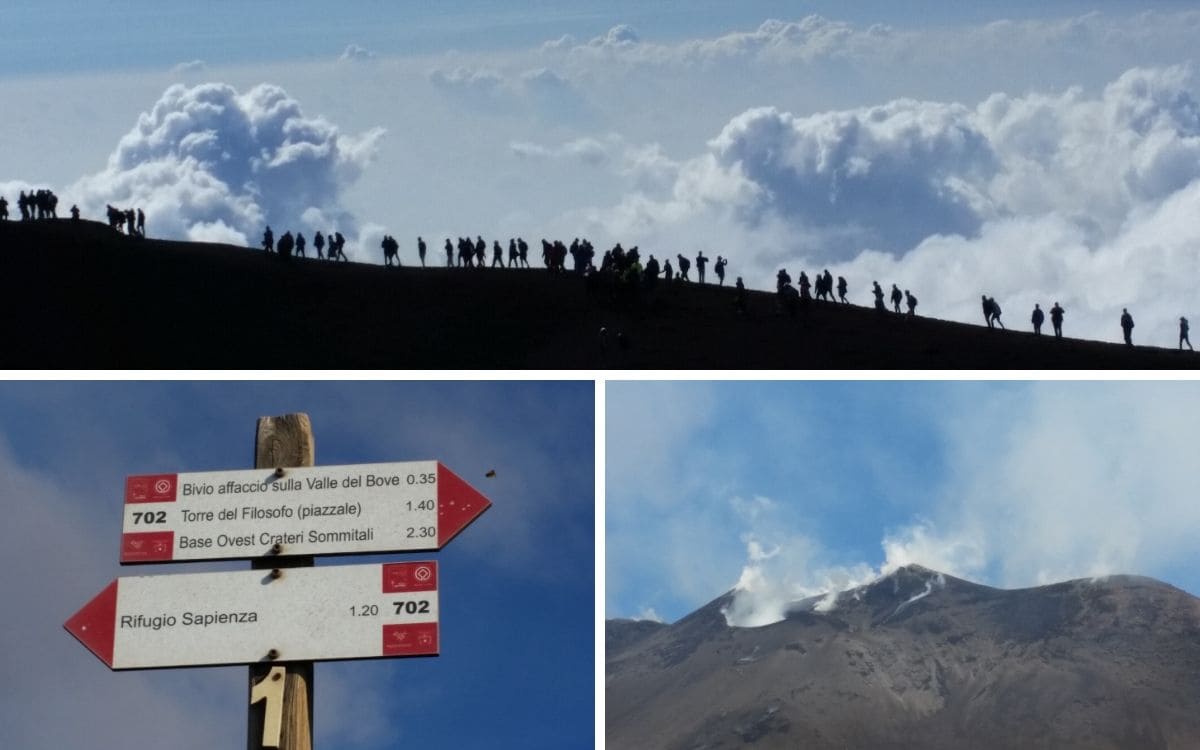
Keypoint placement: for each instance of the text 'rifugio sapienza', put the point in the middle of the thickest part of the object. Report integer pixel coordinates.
(198, 619)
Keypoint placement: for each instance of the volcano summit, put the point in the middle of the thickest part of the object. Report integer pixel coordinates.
(918, 659)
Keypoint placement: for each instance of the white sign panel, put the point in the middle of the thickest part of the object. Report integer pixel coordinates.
(242, 617)
(317, 510)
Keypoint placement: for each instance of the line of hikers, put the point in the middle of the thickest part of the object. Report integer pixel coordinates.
(43, 204)
(788, 297)
(991, 314)
(473, 254)
(626, 266)
(132, 221)
(288, 244)
(37, 204)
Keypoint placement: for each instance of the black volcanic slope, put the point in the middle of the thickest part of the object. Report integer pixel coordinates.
(1108, 663)
(79, 295)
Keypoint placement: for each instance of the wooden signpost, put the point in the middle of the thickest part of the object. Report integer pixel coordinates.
(283, 613)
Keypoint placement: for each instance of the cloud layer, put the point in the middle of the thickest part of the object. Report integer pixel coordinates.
(1041, 197)
(209, 163)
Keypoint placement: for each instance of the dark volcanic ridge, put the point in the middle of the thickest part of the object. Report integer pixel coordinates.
(919, 659)
(80, 295)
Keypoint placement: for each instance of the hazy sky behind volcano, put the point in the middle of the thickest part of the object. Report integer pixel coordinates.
(796, 488)
(1034, 152)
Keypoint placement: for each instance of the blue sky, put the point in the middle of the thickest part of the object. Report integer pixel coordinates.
(1035, 152)
(136, 33)
(796, 488)
(517, 598)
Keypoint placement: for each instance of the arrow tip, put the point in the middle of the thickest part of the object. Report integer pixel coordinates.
(95, 625)
(458, 504)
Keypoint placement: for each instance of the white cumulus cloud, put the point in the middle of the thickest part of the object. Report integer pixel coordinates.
(208, 162)
(1035, 198)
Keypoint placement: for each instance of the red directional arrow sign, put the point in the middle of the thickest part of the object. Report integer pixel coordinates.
(246, 616)
(317, 510)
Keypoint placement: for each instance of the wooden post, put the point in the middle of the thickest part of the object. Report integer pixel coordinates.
(282, 442)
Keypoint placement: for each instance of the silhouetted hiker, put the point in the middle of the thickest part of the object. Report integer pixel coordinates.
(1127, 326)
(390, 248)
(74, 213)
(497, 254)
(421, 251)
(589, 254)
(1037, 319)
(285, 245)
(268, 240)
(842, 289)
(449, 254)
(719, 267)
(912, 303)
(805, 287)
(739, 297)
(668, 272)
(701, 261)
(1056, 316)
(523, 248)
(684, 265)
(335, 247)
(41, 205)
(1183, 334)
(480, 250)
(878, 292)
(896, 297)
(130, 222)
(319, 244)
(300, 246)
(141, 222)
(23, 206)
(651, 273)
(3, 209)
(782, 279)
(787, 299)
(827, 282)
(820, 287)
(991, 311)
(514, 256)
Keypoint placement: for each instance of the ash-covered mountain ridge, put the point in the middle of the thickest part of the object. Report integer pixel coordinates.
(918, 658)
(107, 300)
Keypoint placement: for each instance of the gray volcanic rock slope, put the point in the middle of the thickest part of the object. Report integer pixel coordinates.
(919, 659)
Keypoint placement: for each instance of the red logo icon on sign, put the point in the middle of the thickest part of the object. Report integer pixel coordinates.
(414, 576)
(147, 546)
(418, 639)
(151, 488)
